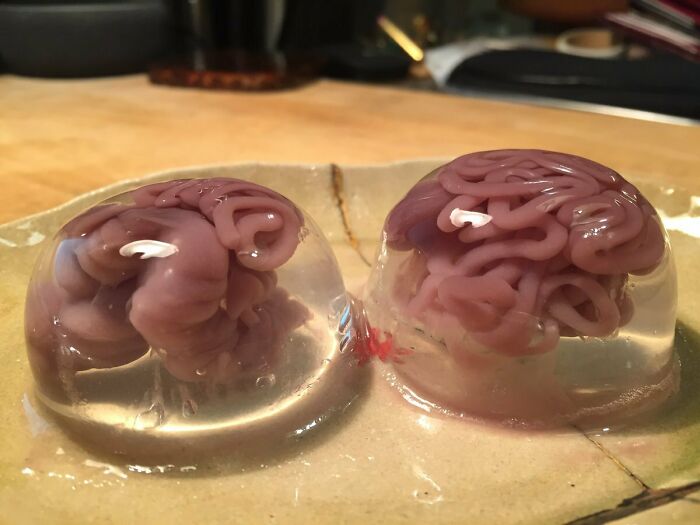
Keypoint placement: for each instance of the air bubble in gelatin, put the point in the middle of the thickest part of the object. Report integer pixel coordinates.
(265, 381)
(189, 408)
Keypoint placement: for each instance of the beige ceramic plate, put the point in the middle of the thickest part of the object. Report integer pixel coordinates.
(383, 461)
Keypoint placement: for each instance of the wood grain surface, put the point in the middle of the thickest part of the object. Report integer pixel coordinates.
(59, 139)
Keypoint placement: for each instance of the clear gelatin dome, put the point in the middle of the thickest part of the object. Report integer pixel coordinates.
(529, 287)
(190, 314)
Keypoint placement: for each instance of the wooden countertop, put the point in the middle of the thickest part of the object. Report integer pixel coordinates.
(62, 138)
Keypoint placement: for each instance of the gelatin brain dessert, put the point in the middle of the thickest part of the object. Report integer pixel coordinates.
(203, 308)
(528, 286)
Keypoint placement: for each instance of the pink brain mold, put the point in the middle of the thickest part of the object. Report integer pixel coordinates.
(190, 309)
(529, 287)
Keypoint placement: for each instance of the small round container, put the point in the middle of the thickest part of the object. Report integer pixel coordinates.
(592, 42)
(529, 287)
(189, 315)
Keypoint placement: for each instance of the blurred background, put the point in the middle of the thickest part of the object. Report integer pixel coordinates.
(612, 56)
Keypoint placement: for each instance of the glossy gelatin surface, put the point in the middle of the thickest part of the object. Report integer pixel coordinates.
(196, 312)
(530, 287)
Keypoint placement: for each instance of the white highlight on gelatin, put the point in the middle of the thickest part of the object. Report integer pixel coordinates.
(688, 222)
(37, 424)
(426, 423)
(425, 496)
(35, 238)
(460, 217)
(106, 468)
(148, 248)
(8, 243)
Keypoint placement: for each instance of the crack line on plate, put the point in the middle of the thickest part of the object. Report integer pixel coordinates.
(338, 182)
(619, 464)
(645, 500)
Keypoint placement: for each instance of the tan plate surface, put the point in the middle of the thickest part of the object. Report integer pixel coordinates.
(383, 461)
